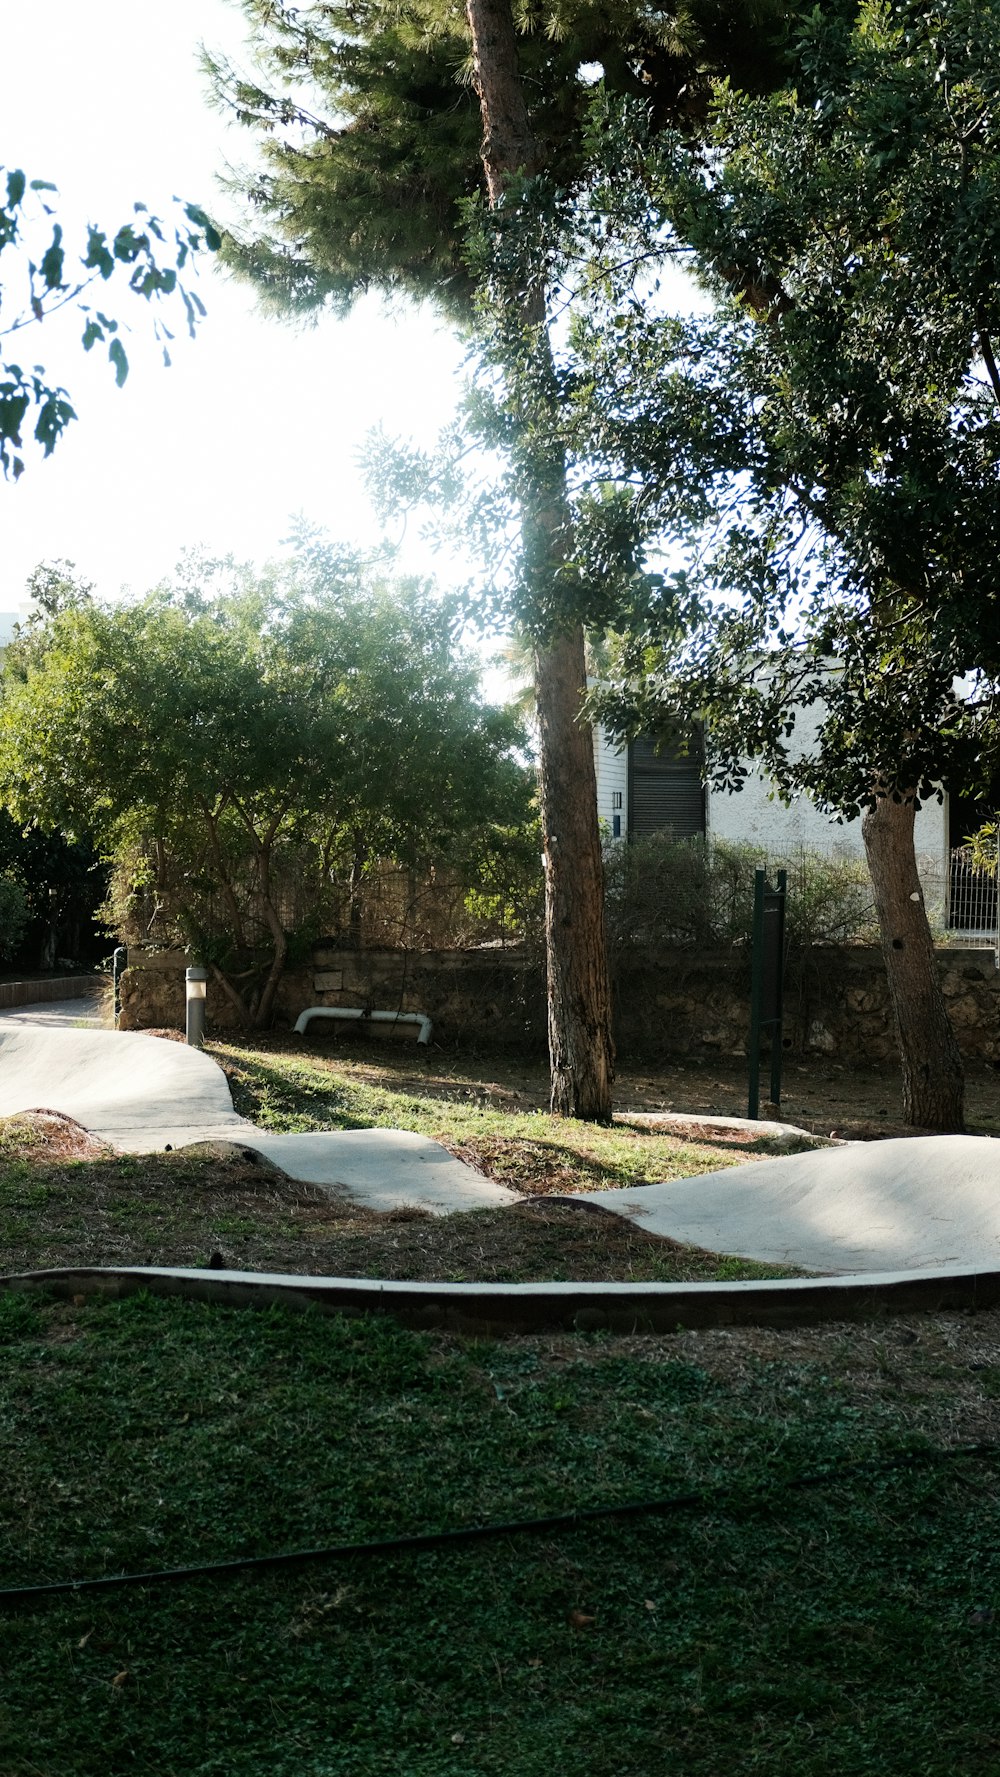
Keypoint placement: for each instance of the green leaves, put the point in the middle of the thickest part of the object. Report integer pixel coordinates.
(822, 452)
(150, 257)
(116, 354)
(54, 415)
(196, 215)
(246, 743)
(97, 257)
(51, 266)
(98, 327)
(19, 393)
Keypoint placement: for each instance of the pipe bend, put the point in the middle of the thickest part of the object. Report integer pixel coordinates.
(358, 1012)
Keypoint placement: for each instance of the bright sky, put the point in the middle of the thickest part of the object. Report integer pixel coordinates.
(255, 421)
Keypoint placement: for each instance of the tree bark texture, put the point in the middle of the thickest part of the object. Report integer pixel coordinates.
(581, 1050)
(933, 1077)
(509, 144)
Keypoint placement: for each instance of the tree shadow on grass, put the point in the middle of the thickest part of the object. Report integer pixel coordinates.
(262, 1093)
(542, 1165)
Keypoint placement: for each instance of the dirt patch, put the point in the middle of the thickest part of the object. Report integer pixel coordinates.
(858, 1104)
(819, 1095)
(224, 1206)
(184, 1207)
(49, 1135)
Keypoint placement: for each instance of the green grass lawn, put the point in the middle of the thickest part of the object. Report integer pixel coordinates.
(847, 1629)
(282, 1085)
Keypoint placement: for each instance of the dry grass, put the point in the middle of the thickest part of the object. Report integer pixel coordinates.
(67, 1200)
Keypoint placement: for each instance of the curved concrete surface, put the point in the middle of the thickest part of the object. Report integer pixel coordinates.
(494, 1308)
(867, 1206)
(85, 1012)
(779, 1134)
(862, 1207)
(137, 1092)
(382, 1169)
(142, 1094)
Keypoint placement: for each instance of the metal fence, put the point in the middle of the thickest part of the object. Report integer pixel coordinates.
(972, 903)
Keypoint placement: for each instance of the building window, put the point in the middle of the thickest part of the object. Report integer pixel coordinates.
(665, 787)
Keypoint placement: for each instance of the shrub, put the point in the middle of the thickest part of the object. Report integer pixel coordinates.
(14, 914)
(667, 891)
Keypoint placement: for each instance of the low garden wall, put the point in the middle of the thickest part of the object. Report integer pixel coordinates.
(488, 997)
(54, 987)
(668, 1003)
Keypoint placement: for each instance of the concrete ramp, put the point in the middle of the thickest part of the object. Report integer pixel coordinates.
(881, 1206)
(142, 1094)
(866, 1206)
(134, 1091)
(382, 1169)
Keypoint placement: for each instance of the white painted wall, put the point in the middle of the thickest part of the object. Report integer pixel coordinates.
(756, 816)
(750, 816)
(611, 766)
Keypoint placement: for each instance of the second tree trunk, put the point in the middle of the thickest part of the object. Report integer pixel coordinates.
(933, 1076)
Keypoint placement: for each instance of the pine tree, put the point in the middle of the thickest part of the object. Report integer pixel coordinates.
(372, 193)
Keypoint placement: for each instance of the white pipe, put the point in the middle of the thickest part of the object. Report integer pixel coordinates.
(420, 1018)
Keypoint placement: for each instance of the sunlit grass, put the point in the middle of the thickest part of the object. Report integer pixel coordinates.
(286, 1089)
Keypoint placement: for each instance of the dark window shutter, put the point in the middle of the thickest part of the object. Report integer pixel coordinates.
(665, 790)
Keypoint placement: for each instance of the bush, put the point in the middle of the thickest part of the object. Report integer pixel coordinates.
(665, 891)
(657, 893)
(14, 914)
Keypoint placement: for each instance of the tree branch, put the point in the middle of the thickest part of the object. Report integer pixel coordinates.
(986, 347)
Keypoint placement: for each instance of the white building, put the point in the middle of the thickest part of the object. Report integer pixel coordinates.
(642, 791)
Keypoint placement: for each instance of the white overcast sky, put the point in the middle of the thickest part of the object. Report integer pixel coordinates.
(255, 421)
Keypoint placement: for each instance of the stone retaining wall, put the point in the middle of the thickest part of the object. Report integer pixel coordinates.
(495, 997)
(836, 1003)
(677, 1002)
(62, 987)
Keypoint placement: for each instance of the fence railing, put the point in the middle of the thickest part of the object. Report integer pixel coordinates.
(972, 899)
(963, 902)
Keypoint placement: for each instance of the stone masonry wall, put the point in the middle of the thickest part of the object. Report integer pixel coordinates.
(679, 1002)
(490, 997)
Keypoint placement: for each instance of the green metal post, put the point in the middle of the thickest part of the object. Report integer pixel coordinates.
(756, 983)
(776, 1030)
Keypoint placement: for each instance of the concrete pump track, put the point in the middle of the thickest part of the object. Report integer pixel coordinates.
(891, 1226)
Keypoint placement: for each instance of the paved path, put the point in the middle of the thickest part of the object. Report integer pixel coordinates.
(862, 1206)
(143, 1094)
(82, 1014)
(858, 1207)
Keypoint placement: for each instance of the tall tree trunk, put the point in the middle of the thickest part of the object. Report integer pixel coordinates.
(581, 1051)
(581, 1056)
(933, 1077)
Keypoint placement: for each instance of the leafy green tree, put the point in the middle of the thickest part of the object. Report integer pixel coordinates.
(43, 273)
(230, 746)
(61, 883)
(822, 449)
(369, 129)
(373, 151)
(13, 914)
